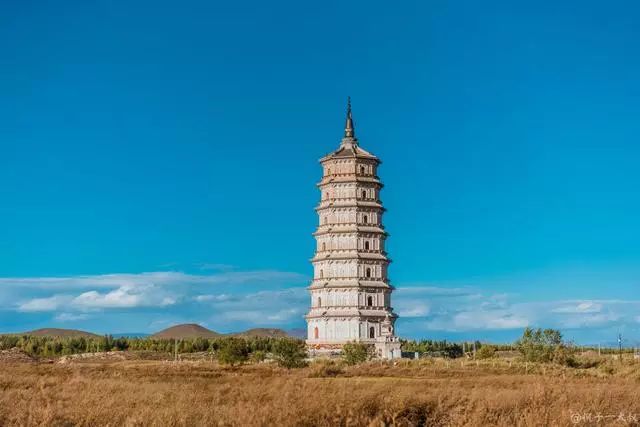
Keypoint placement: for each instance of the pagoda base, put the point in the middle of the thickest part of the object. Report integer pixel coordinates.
(385, 348)
(388, 348)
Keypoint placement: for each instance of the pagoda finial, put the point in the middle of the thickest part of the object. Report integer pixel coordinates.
(349, 130)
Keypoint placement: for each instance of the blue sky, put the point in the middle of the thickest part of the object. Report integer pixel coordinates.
(158, 161)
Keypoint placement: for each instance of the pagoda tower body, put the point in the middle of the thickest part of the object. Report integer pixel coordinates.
(350, 291)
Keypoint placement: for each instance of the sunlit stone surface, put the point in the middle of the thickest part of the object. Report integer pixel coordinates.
(350, 291)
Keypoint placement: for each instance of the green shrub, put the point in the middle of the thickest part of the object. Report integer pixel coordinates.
(537, 345)
(354, 353)
(233, 351)
(486, 352)
(563, 355)
(432, 348)
(290, 353)
(258, 356)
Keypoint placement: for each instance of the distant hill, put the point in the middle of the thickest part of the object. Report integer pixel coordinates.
(192, 330)
(188, 330)
(297, 333)
(60, 333)
(131, 335)
(262, 332)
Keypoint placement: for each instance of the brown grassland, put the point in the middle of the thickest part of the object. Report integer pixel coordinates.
(427, 392)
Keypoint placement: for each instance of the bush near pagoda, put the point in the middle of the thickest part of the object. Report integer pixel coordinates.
(233, 351)
(354, 353)
(290, 353)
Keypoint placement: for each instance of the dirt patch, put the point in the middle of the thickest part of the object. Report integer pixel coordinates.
(15, 355)
(100, 356)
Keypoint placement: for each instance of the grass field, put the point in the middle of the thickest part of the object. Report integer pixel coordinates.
(436, 392)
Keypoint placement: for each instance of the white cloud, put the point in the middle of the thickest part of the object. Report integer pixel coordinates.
(493, 319)
(208, 298)
(44, 304)
(124, 297)
(231, 300)
(128, 291)
(70, 317)
(437, 292)
(285, 314)
(275, 308)
(216, 267)
(262, 317)
(473, 320)
(467, 309)
(158, 278)
(579, 307)
(411, 308)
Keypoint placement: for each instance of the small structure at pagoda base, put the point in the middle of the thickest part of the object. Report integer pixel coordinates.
(350, 291)
(387, 345)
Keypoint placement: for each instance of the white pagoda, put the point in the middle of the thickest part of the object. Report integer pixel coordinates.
(350, 291)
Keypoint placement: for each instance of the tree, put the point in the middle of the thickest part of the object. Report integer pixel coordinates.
(233, 351)
(354, 353)
(486, 351)
(200, 344)
(537, 345)
(290, 353)
(433, 348)
(258, 356)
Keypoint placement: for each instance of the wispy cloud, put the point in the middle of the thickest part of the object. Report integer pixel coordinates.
(468, 309)
(233, 300)
(122, 291)
(160, 278)
(215, 267)
(45, 304)
(125, 297)
(70, 317)
(579, 307)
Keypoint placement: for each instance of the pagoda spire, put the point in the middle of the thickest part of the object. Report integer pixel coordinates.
(349, 129)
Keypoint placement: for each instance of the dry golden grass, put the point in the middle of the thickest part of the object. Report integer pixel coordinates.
(194, 393)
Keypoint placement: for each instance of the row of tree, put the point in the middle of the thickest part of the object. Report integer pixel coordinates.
(433, 348)
(287, 352)
(535, 345)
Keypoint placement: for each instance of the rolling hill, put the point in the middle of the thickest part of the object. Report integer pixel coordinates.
(60, 333)
(192, 330)
(262, 332)
(187, 330)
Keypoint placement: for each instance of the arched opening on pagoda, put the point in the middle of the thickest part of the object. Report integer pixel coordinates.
(372, 332)
(366, 246)
(315, 333)
(369, 301)
(367, 272)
